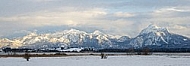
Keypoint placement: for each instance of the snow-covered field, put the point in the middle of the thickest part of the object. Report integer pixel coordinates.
(135, 60)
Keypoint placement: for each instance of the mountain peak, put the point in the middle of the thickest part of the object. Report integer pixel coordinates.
(74, 31)
(32, 34)
(97, 32)
(155, 29)
(153, 26)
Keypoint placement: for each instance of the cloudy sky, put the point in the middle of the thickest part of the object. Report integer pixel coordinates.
(117, 17)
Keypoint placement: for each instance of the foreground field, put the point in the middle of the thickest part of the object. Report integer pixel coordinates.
(130, 60)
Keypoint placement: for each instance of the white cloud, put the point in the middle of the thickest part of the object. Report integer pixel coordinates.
(57, 18)
(170, 9)
(40, 0)
(97, 18)
(175, 15)
(124, 14)
(175, 18)
(178, 27)
(116, 17)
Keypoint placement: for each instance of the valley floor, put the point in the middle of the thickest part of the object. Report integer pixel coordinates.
(128, 60)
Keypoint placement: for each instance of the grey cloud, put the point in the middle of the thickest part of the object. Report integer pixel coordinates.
(123, 17)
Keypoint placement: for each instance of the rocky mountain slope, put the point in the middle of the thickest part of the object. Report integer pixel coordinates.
(70, 38)
(159, 37)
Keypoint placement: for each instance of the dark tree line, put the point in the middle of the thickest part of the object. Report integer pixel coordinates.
(131, 50)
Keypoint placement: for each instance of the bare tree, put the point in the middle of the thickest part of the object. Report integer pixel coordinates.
(27, 56)
(103, 56)
(146, 51)
(130, 51)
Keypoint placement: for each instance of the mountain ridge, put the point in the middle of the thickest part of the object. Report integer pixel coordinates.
(150, 36)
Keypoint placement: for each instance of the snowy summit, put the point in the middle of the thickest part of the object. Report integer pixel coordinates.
(154, 29)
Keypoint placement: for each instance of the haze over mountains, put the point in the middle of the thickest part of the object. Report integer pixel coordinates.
(152, 36)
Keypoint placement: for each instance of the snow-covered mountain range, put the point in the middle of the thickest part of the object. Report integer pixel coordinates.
(159, 37)
(150, 36)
